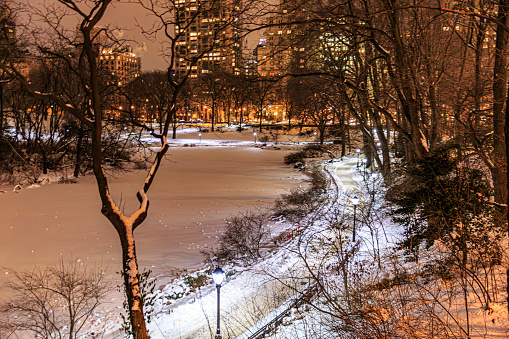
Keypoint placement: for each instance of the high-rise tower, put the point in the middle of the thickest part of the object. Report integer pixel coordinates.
(209, 39)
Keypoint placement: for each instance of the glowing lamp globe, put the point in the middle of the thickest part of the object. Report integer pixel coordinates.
(218, 275)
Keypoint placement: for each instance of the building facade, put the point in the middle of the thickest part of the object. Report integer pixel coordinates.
(207, 37)
(121, 64)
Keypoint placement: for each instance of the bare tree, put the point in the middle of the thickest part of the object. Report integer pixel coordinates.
(83, 64)
(80, 56)
(262, 90)
(55, 302)
(212, 88)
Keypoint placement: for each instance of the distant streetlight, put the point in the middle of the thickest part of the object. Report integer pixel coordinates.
(199, 134)
(365, 162)
(355, 202)
(218, 275)
(358, 150)
(254, 137)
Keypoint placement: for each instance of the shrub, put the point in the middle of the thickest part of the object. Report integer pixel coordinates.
(302, 201)
(439, 199)
(264, 138)
(293, 158)
(309, 151)
(244, 236)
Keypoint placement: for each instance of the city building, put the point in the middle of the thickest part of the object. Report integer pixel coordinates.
(251, 63)
(208, 39)
(7, 32)
(282, 49)
(121, 64)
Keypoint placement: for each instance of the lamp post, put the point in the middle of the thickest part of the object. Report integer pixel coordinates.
(355, 202)
(218, 275)
(199, 134)
(254, 134)
(358, 150)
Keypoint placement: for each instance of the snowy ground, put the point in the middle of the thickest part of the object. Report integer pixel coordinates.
(198, 186)
(245, 298)
(248, 299)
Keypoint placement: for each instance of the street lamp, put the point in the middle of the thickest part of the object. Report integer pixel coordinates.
(218, 275)
(365, 162)
(199, 134)
(355, 202)
(358, 150)
(254, 137)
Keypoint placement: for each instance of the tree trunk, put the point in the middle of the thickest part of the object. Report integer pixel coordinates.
(506, 127)
(499, 172)
(77, 166)
(132, 283)
(1, 107)
(403, 82)
(213, 117)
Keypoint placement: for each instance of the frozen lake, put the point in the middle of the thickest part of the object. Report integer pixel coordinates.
(195, 190)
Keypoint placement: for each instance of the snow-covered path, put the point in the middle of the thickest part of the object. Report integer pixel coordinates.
(247, 297)
(343, 171)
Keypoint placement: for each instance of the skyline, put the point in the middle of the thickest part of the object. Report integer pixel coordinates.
(126, 16)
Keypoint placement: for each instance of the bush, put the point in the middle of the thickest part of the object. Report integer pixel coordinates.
(244, 236)
(309, 151)
(314, 150)
(301, 202)
(293, 158)
(264, 138)
(439, 199)
(318, 182)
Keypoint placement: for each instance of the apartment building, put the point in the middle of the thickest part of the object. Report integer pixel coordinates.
(208, 39)
(121, 64)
